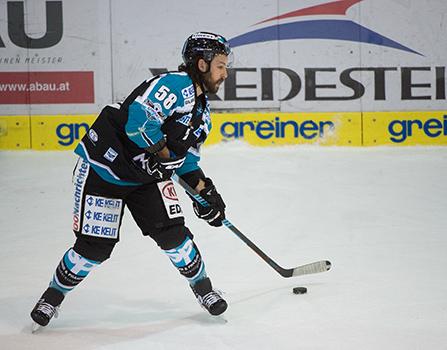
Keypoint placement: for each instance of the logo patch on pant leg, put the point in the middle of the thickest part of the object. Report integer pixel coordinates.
(79, 177)
(170, 200)
(102, 217)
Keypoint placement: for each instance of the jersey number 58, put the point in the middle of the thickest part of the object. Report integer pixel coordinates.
(163, 95)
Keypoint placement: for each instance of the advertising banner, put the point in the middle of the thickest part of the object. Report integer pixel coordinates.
(15, 132)
(308, 57)
(270, 129)
(55, 57)
(46, 87)
(59, 132)
(405, 128)
(63, 132)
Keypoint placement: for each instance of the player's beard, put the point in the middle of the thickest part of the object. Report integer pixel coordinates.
(211, 86)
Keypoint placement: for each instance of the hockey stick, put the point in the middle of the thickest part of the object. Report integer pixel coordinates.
(315, 267)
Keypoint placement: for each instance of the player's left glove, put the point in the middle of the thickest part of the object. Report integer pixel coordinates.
(215, 212)
(163, 168)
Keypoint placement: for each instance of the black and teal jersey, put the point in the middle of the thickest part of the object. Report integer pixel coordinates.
(162, 110)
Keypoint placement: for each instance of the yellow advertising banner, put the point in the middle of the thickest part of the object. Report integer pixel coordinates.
(260, 129)
(270, 129)
(59, 132)
(15, 132)
(409, 128)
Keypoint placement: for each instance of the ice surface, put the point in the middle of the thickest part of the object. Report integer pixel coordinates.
(378, 214)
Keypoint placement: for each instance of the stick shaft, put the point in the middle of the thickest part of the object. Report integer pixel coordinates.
(315, 267)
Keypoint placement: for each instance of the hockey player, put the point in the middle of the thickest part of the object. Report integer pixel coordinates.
(127, 158)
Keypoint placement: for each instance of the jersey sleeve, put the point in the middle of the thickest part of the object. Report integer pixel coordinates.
(191, 164)
(143, 126)
(192, 159)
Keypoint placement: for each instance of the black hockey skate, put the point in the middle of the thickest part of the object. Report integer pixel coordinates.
(46, 307)
(208, 298)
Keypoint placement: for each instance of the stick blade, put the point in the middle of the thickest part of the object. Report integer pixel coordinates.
(315, 267)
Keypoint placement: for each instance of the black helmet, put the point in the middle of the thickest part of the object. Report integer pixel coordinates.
(204, 45)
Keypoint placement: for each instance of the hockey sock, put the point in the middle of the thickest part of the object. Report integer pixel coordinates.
(187, 259)
(72, 269)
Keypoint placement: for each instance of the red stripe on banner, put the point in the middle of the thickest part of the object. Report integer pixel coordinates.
(46, 87)
(331, 8)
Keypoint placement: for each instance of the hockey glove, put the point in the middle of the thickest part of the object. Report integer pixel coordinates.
(163, 168)
(215, 212)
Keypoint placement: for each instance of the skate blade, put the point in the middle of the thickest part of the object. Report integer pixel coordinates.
(35, 327)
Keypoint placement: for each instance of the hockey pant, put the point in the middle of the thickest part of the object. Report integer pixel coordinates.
(97, 214)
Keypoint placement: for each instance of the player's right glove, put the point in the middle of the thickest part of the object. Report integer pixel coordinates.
(215, 212)
(163, 168)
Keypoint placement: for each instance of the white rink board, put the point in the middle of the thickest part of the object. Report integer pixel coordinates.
(392, 53)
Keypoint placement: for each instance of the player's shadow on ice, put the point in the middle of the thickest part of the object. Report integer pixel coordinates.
(100, 320)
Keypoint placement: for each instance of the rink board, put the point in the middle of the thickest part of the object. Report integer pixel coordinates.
(259, 129)
(15, 132)
(408, 128)
(59, 132)
(271, 129)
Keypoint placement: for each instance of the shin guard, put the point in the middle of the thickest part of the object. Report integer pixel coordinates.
(71, 271)
(187, 259)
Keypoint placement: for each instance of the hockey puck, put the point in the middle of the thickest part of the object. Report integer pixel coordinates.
(299, 290)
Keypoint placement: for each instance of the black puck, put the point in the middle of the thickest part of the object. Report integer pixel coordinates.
(299, 290)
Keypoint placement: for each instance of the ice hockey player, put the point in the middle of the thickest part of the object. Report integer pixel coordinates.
(127, 158)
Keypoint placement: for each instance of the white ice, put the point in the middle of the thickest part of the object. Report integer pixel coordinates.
(378, 214)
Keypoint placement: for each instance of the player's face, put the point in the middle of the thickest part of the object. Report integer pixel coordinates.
(217, 73)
